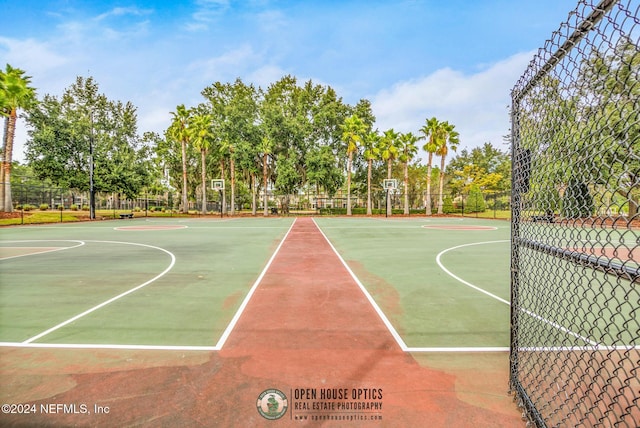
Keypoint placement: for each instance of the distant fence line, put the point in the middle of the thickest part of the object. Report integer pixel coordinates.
(41, 196)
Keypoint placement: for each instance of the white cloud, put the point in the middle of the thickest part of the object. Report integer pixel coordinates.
(266, 75)
(30, 55)
(226, 66)
(207, 12)
(121, 11)
(272, 21)
(477, 104)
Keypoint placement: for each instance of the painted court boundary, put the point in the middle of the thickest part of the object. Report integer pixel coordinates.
(390, 327)
(219, 345)
(29, 342)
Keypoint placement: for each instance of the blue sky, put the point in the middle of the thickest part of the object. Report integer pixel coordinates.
(413, 59)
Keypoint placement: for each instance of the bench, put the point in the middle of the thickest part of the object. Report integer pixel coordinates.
(548, 218)
(126, 215)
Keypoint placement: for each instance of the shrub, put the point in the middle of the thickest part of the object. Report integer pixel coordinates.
(447, 205)
(475, 201)
(44, 207)
(73, 207)
(577, 201)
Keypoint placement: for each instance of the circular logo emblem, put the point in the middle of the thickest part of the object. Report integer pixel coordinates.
(272, 404)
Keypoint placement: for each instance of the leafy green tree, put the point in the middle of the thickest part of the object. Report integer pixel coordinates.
(577, 201)
(323, 170)
(288, 179)
(609, 144)
(475, 200)
(234, 111)
(242, 127)
(448, 207)
(278, 116)
(66, 134)
(15, 93)
(485, 166)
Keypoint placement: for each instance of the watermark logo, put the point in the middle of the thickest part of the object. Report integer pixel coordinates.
(272, 404)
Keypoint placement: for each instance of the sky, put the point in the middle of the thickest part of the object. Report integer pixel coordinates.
(456, 60)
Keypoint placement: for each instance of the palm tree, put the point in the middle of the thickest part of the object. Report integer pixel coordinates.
(371, 153)
(353, 130)
(266, 148)
(449, 140)
(201, 135)
(180, 132)
(408, 150)
(389, 153)
(430, 132)
(15, 93)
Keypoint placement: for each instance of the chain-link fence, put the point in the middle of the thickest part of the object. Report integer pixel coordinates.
(44, 197)
(575, 351)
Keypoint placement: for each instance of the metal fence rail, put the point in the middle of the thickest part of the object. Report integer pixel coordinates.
(488, 204)
(575, 292)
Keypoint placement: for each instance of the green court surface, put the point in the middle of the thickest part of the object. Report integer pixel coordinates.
(441, 282)
(192, 279)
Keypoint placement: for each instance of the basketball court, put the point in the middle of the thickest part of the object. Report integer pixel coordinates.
(277, 321)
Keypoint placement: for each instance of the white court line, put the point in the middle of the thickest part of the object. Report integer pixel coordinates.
(107, 346)
(50, 250)
(468, 284)
(526, 311)
(240, 310)
(579, 348)
(113, 299)
(462, 349)
(373, 303)
(390, 327)
(29, 344)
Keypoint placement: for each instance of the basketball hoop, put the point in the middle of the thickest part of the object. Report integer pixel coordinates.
(217, 184)
(390, 184)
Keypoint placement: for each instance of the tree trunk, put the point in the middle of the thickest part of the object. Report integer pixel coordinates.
(232, 168)
(4, 145)
(440, 200)
(185, 208)
(204, 181)
(633, 203)
(223, 202)
(349, 183)
(264, 184)
(369, 187)
(389, 210)
(428, 198)
(7, 159)
(254, 195)
(406, 188)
